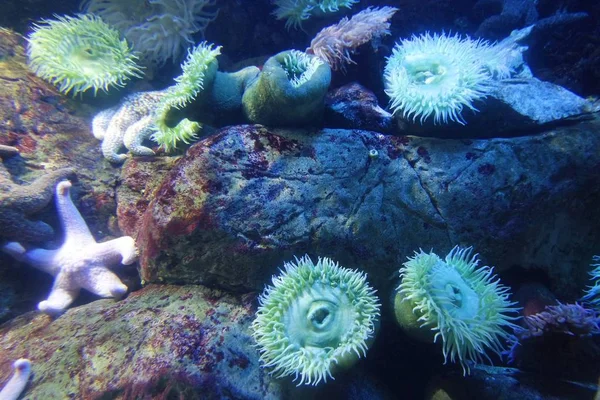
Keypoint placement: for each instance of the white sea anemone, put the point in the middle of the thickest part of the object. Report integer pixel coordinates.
(296, 11)
(437, 76)
(465, 305)
(158, 29)
(314, 318)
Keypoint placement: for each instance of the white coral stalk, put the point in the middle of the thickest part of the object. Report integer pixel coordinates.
(14, 387)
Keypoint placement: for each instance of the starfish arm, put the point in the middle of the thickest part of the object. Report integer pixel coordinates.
(64, 291)
(121, 250)
(100, 122)
(103, 282)
(110, 150)
(113, 138)
(136, 134)
(42, 259)
(35, 196)
(76, 230)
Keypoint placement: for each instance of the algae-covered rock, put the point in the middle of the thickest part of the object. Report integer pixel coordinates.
(51, 131)
(246, 199)
(161, 342)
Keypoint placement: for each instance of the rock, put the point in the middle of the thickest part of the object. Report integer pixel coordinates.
(246, 199)
(353, 106)
(502, 16)
(539, 102)
(493, 383)
(171, 341)
(519, 106)
(141, 177)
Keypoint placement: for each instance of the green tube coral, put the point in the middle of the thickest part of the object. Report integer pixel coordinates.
(80, 53)
(290, 90)
(457, 301)
(315, 318)
(198, 72)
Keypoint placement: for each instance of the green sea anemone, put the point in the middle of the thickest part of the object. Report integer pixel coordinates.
(592, 293)
(289, 91)
(198, 71)
(80, 53)
(460, 302)
(437, 76)
(314, 318)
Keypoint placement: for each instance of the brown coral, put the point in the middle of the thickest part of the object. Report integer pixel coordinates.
(336, 43)
(563, 340)
(17, 202)
(570, 319)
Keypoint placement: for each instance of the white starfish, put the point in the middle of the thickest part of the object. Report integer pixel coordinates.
(14, 387)
(80, 262)
(127, 124)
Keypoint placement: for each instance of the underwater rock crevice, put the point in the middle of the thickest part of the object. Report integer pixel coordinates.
(441, 224)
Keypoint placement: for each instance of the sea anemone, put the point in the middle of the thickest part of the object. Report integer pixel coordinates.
(158, 29)
(437, 75)
(592, 293)
(296, 11)
(462, 303)
(80, 53)
(198, 71)
(289, 91)
(314, 318)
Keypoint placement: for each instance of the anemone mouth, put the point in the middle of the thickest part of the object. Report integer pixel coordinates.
(452, 294)
(320, 318)
(299, 67)
(464, 304)
(314, 317)
(437, 76)
(80, 53)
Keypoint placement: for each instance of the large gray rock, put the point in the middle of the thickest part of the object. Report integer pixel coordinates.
(161, 342)
(245, 200)
(516, 107)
